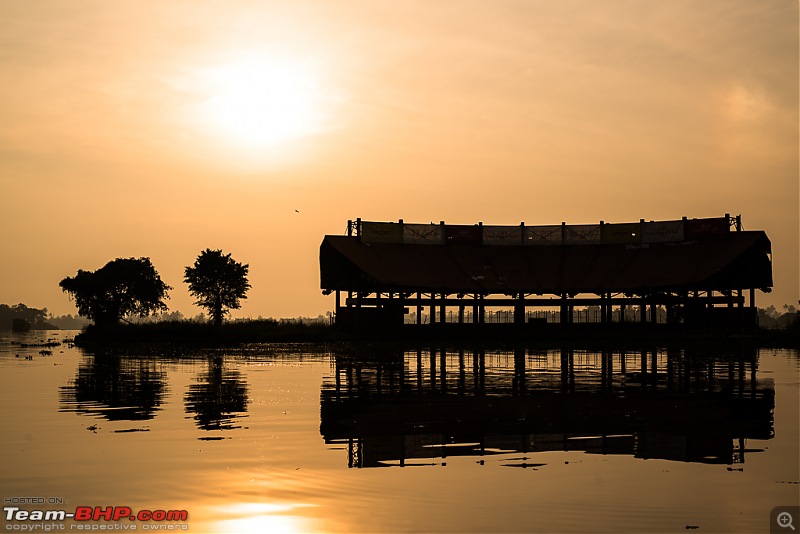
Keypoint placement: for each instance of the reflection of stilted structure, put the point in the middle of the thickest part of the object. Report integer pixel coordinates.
(430, 404)
(468, 279)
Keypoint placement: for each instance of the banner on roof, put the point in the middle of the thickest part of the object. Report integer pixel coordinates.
(543, 235)
(381, 232)
(662, 232)
(581, 234)
(457, 234)
(502, 235)
(705, 228)
(621, 234)
(423, 234)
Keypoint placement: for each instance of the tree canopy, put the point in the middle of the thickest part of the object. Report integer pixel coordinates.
(122, 287)
(218, 281)
(8, 313)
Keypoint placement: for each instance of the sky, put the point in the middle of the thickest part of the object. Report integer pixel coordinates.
(160, 129)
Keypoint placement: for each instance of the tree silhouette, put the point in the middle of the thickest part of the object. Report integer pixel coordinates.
(218, 282)
(122, 287)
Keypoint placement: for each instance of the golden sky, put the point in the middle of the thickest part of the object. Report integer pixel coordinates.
(160, 129)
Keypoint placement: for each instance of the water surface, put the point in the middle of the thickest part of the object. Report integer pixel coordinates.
(277, 438)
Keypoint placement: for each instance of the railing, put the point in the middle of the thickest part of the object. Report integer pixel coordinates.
(642, 232)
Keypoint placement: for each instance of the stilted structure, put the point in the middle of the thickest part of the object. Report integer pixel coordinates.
(692, 272)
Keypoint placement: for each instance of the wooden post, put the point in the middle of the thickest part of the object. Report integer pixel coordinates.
(357, 318)
(433, 369)
(519, 309)
(442, 310)
(603, 308)
(419, 307)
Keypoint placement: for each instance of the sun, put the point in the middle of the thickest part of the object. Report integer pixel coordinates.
(259, 102)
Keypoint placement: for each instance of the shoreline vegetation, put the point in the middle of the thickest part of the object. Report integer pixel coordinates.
(236, 333)
(173, 329)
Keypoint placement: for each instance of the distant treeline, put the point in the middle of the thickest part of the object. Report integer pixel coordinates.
(772, 318)
(39, 319)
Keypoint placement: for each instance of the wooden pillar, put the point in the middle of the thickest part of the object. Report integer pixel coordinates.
(475, 312)
(519, 309)
(644, 369)
(419, 369)
(443, 370)
(433, 307)
(603, 309)
(462, 373)
(643, 310)
(357, 315)
(419, 307)
(443, 310)
(433, 369)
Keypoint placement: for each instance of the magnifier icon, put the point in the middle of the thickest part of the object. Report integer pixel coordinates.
(785, 520)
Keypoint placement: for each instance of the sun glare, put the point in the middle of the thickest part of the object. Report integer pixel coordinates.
(263, 103)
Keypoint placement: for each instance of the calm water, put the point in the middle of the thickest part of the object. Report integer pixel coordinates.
(288, 439)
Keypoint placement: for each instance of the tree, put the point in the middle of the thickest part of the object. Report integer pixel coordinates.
(122, 287)
(8, 313)
(218, 282)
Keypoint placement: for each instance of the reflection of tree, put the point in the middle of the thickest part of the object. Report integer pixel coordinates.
(219, 397)
(116, 388)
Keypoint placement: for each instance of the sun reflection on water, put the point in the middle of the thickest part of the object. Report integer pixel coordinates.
(261, 517)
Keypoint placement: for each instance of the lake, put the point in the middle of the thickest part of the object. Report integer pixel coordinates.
(303, 438)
